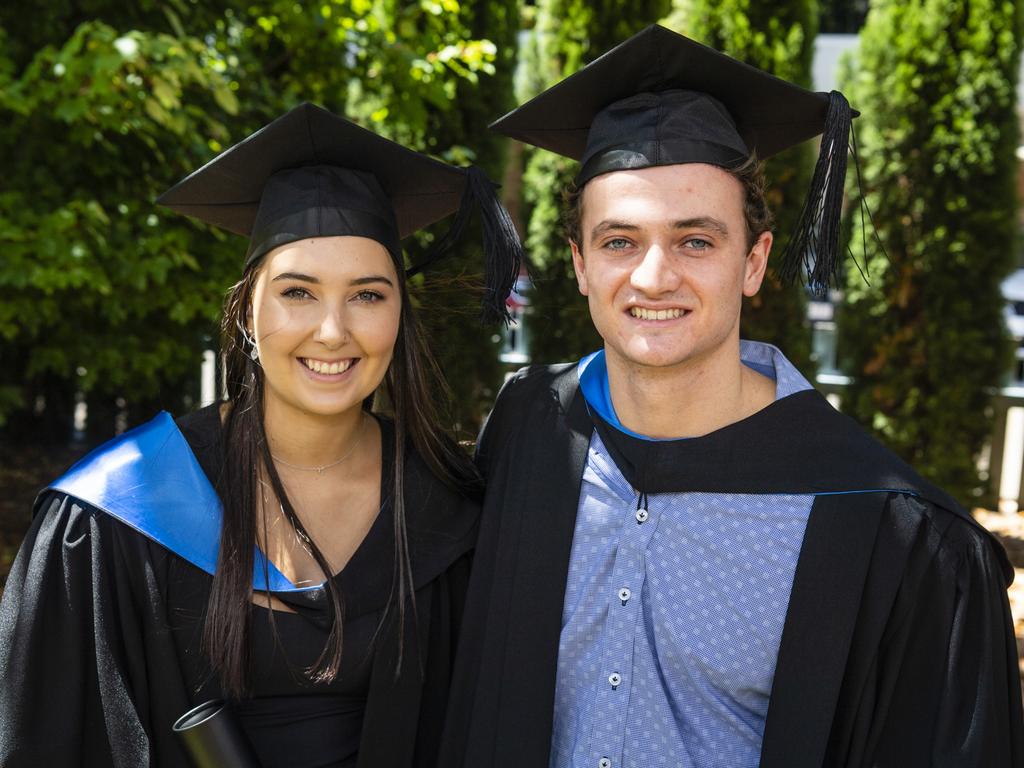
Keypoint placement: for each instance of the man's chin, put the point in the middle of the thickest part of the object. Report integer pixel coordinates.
(655, 358)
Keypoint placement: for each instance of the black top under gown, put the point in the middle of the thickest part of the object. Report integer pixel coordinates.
(291, 721)
(100, 632)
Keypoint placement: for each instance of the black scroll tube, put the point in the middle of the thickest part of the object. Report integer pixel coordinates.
(213, 737)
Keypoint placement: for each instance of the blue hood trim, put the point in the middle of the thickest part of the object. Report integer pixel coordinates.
(149, 479)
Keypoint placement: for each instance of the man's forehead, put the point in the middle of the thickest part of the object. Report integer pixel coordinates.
(663, 193)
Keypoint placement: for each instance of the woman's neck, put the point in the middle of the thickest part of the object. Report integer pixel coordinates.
(308, 440)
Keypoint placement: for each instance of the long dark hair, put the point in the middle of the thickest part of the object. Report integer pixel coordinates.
(411, 388)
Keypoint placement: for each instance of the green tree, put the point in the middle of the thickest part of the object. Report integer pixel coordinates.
(430, 75)
(467, 351)
(99, 293)
(777, 37)
(843, 16)
(924, 340)
(105, 104)
(567, 35)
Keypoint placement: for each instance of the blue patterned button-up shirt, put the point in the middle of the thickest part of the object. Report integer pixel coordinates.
(672, 620)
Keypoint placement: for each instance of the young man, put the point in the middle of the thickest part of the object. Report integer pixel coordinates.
(688, 558)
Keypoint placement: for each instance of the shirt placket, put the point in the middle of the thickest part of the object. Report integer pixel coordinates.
(615, 676)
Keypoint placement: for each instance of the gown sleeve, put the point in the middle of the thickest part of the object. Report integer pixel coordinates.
(66, 654)
(940, 686)
(979, 720)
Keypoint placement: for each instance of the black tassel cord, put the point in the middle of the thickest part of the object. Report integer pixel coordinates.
(503, 251)
(813, 248)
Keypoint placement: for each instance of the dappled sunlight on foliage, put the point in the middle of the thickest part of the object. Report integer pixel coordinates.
(108, 294)
(924, 338)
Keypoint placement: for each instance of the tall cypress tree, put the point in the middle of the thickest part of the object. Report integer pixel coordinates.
(568, 34)
(777, 37)
(924, 339)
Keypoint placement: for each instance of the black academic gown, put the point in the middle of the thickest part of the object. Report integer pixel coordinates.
(100, 632)
(897, 649)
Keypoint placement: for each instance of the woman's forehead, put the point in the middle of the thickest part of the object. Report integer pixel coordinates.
(329, 258)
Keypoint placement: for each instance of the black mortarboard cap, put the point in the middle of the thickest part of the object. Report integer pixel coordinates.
(311, 173)
(660, 98)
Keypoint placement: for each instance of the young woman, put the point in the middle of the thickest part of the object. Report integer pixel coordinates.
(290, 550)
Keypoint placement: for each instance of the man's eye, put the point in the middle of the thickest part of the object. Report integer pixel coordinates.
(698, 243)
(617, 244)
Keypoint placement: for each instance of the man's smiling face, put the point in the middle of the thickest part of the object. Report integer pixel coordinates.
(665, 261)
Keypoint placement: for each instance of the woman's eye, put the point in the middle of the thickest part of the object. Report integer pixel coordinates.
(369, 296)
(296, 293)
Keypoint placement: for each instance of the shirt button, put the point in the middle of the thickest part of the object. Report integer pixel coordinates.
(624, 594)
(642, 515)
(615, 678)
(604, 762)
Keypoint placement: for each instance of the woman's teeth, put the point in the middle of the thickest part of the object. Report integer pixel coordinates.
(654, 314)
(318, 366)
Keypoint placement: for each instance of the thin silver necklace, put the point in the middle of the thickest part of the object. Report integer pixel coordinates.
(320, 470)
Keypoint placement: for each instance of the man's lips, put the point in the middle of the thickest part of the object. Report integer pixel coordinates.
(643, 313)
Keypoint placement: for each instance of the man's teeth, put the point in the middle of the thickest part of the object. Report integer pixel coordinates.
(654, 314)
(318, 366)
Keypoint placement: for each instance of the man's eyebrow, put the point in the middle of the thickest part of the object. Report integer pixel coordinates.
(610, 224)
(697, 222)
(702, 222)
(297, 276)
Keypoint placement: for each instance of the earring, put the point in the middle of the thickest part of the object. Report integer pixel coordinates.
(254, 353)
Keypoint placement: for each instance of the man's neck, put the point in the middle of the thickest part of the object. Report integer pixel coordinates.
(688, 400)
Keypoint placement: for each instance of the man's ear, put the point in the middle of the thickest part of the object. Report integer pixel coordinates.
(579, 266)
(757, 262)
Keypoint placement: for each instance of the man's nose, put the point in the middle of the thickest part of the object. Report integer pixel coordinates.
(656, 273)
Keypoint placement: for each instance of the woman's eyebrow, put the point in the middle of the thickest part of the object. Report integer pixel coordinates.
(372, 279)
(368, 279)
(296, 276)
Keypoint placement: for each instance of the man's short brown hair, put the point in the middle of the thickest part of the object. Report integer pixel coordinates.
(755, 205)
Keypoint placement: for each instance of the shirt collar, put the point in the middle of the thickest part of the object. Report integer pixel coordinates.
(766, 359)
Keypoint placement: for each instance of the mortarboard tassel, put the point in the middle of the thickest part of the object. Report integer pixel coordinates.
(503, 251)
(813, 248)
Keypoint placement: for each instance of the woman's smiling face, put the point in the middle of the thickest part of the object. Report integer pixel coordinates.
(325, 316)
